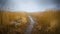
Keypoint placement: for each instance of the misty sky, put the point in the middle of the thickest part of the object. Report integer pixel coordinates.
(28, 5)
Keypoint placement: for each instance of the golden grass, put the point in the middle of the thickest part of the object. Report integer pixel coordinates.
(47, 22)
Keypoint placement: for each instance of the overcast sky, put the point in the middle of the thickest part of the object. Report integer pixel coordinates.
(28, 5)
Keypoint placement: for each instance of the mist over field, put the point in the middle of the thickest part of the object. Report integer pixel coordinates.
(29, 5)
(29, 16)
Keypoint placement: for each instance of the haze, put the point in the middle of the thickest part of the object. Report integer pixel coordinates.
(27, 5)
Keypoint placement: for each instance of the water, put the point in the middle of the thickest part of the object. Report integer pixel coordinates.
(30, 27)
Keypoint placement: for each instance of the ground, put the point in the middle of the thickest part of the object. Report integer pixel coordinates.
(47, 22)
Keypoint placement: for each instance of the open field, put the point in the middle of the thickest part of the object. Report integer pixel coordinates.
(47, 22)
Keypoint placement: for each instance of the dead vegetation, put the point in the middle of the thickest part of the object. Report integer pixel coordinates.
(47, 22)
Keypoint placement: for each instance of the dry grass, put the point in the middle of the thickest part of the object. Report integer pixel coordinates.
(45, 22)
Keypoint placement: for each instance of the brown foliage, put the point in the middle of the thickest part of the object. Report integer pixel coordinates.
(13, 22)
(47, 22)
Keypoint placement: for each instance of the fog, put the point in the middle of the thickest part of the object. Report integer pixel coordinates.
(29, 5)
